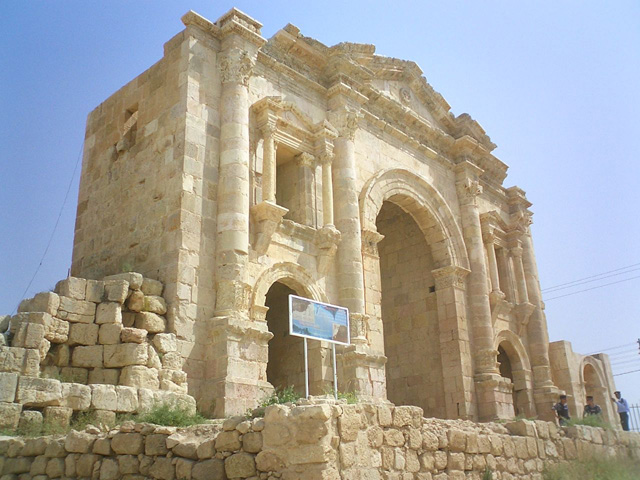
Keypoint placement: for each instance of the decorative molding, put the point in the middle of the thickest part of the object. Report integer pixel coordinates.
(523, 314)
(232, 299)
(236, 66)
(346, 121)
(267, 216)
(305, 159)
(370, 240)
(450, 276)
(499, 305)
(358, 326)
(327, 241)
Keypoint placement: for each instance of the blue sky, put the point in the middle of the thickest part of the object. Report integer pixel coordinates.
(553, 83)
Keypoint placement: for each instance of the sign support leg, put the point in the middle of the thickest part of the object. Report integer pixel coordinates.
(306, 369)
(335, 371)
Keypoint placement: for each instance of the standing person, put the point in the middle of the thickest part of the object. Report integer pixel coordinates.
(591, 408)
(623, 410)
(562, 410)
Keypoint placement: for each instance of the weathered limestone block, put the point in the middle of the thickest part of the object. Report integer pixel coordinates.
(128, 464)
(133, 335)
(154, 359)
(394, 438)
(38, 392)
(183, 468)
(5, 321)
(172, 361)
(207, 449)
(78, 311)
(44, 349)
(102, 446)
(162, 469)
(240, 465)
(146, 399)
(55, 449)
(106, 417)
(108, 312)
(87, 356)
(208, 469)
(57, 417)
(127, 399)
(104, 397)
(76, 396)
(151, 287)
(184, 447)
(83, 334)
(173, 380)
(140, 377)
(125, 354)
(78, 442)
(156, 444)
(14, 466)
(29, 335)
(47, 302)
(457, 440)
(109, 469)
(94, 291)
(109, 333)
(165, 342)
(133, 279)
(8, 386)
(129, 319)
(85, 463)
(57, 331)
(228, 441)
(252, 442)
(72, 287)
(180, 400)
(135, 302)
(151, 322)
(116, 290)
(268, 462)
(19, 360)
(74, 375)
(30, 421)
(155, 304)
(127, 443)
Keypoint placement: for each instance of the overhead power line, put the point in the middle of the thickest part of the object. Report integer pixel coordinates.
(589, 277)
(617, 364)
(626, 373)
(602, 350)
(592, 288)
(55, 227)
(556, 289)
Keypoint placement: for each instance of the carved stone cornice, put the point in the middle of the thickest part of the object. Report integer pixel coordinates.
(346, 121)
(499, 305)
(450, 276)
(235, 22)
(327, 241)
(370, 240)
(523, 314)
(239, 330)
(267, 217)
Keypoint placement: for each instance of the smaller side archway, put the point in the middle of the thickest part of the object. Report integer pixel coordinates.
(514, 365)
(593, 382)
(285, 355)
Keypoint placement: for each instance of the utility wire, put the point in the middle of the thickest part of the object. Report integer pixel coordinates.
(625, 352)
(625, 362)
(625, 373)
(576, 284)
(55, 227)
(592, 288)
(591, 276)
(614, 348)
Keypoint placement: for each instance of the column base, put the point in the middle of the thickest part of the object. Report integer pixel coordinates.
(362, 372)
(494, 396)
(545, 397)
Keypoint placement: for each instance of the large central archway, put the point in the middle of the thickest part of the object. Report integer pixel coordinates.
(409, 313)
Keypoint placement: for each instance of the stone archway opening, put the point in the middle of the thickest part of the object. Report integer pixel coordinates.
(409, 312)
(285, 366)
(511, 367)
(593, 386)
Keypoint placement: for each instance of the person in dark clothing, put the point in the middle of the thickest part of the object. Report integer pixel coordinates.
(591, 408)
(562, 410)
(623, 410)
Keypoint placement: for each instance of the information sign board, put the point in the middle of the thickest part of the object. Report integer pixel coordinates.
(318, 321)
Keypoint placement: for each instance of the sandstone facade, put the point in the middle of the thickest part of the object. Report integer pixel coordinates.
(238, 170)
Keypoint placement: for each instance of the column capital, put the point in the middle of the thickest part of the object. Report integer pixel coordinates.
(450, 276)
(268, 130)
(326, 158)
(516, 251)
(370, 240)
(236, 66)
(305, 159)
(346, 120)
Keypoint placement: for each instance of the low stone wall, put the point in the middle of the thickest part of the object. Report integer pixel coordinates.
(319, 441)
(99, 345)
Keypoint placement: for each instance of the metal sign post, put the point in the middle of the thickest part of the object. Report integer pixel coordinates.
(314, 320)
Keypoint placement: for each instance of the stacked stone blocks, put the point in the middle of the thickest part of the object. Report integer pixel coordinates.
(89, 345)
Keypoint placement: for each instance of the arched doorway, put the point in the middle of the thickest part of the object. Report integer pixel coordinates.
(593, 386)
(285, 366)
(409, 311)
(513, 365)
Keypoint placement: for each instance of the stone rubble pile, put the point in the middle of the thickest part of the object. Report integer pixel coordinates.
(313, 442)
(96, 345)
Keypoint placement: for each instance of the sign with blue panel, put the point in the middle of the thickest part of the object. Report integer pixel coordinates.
(318, 321)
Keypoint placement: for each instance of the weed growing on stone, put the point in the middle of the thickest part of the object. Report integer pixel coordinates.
(350, 397)
(594, 469)
(280, 396)
(589, 421)
(171, 415)
(488, 474)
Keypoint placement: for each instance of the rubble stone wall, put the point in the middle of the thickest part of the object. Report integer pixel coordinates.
(318, 441)
(89, 345)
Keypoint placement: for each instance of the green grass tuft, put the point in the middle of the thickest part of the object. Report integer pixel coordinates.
(488, 474)
(280, 396)
(589, 421)
(171, 416)
(594, 469)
